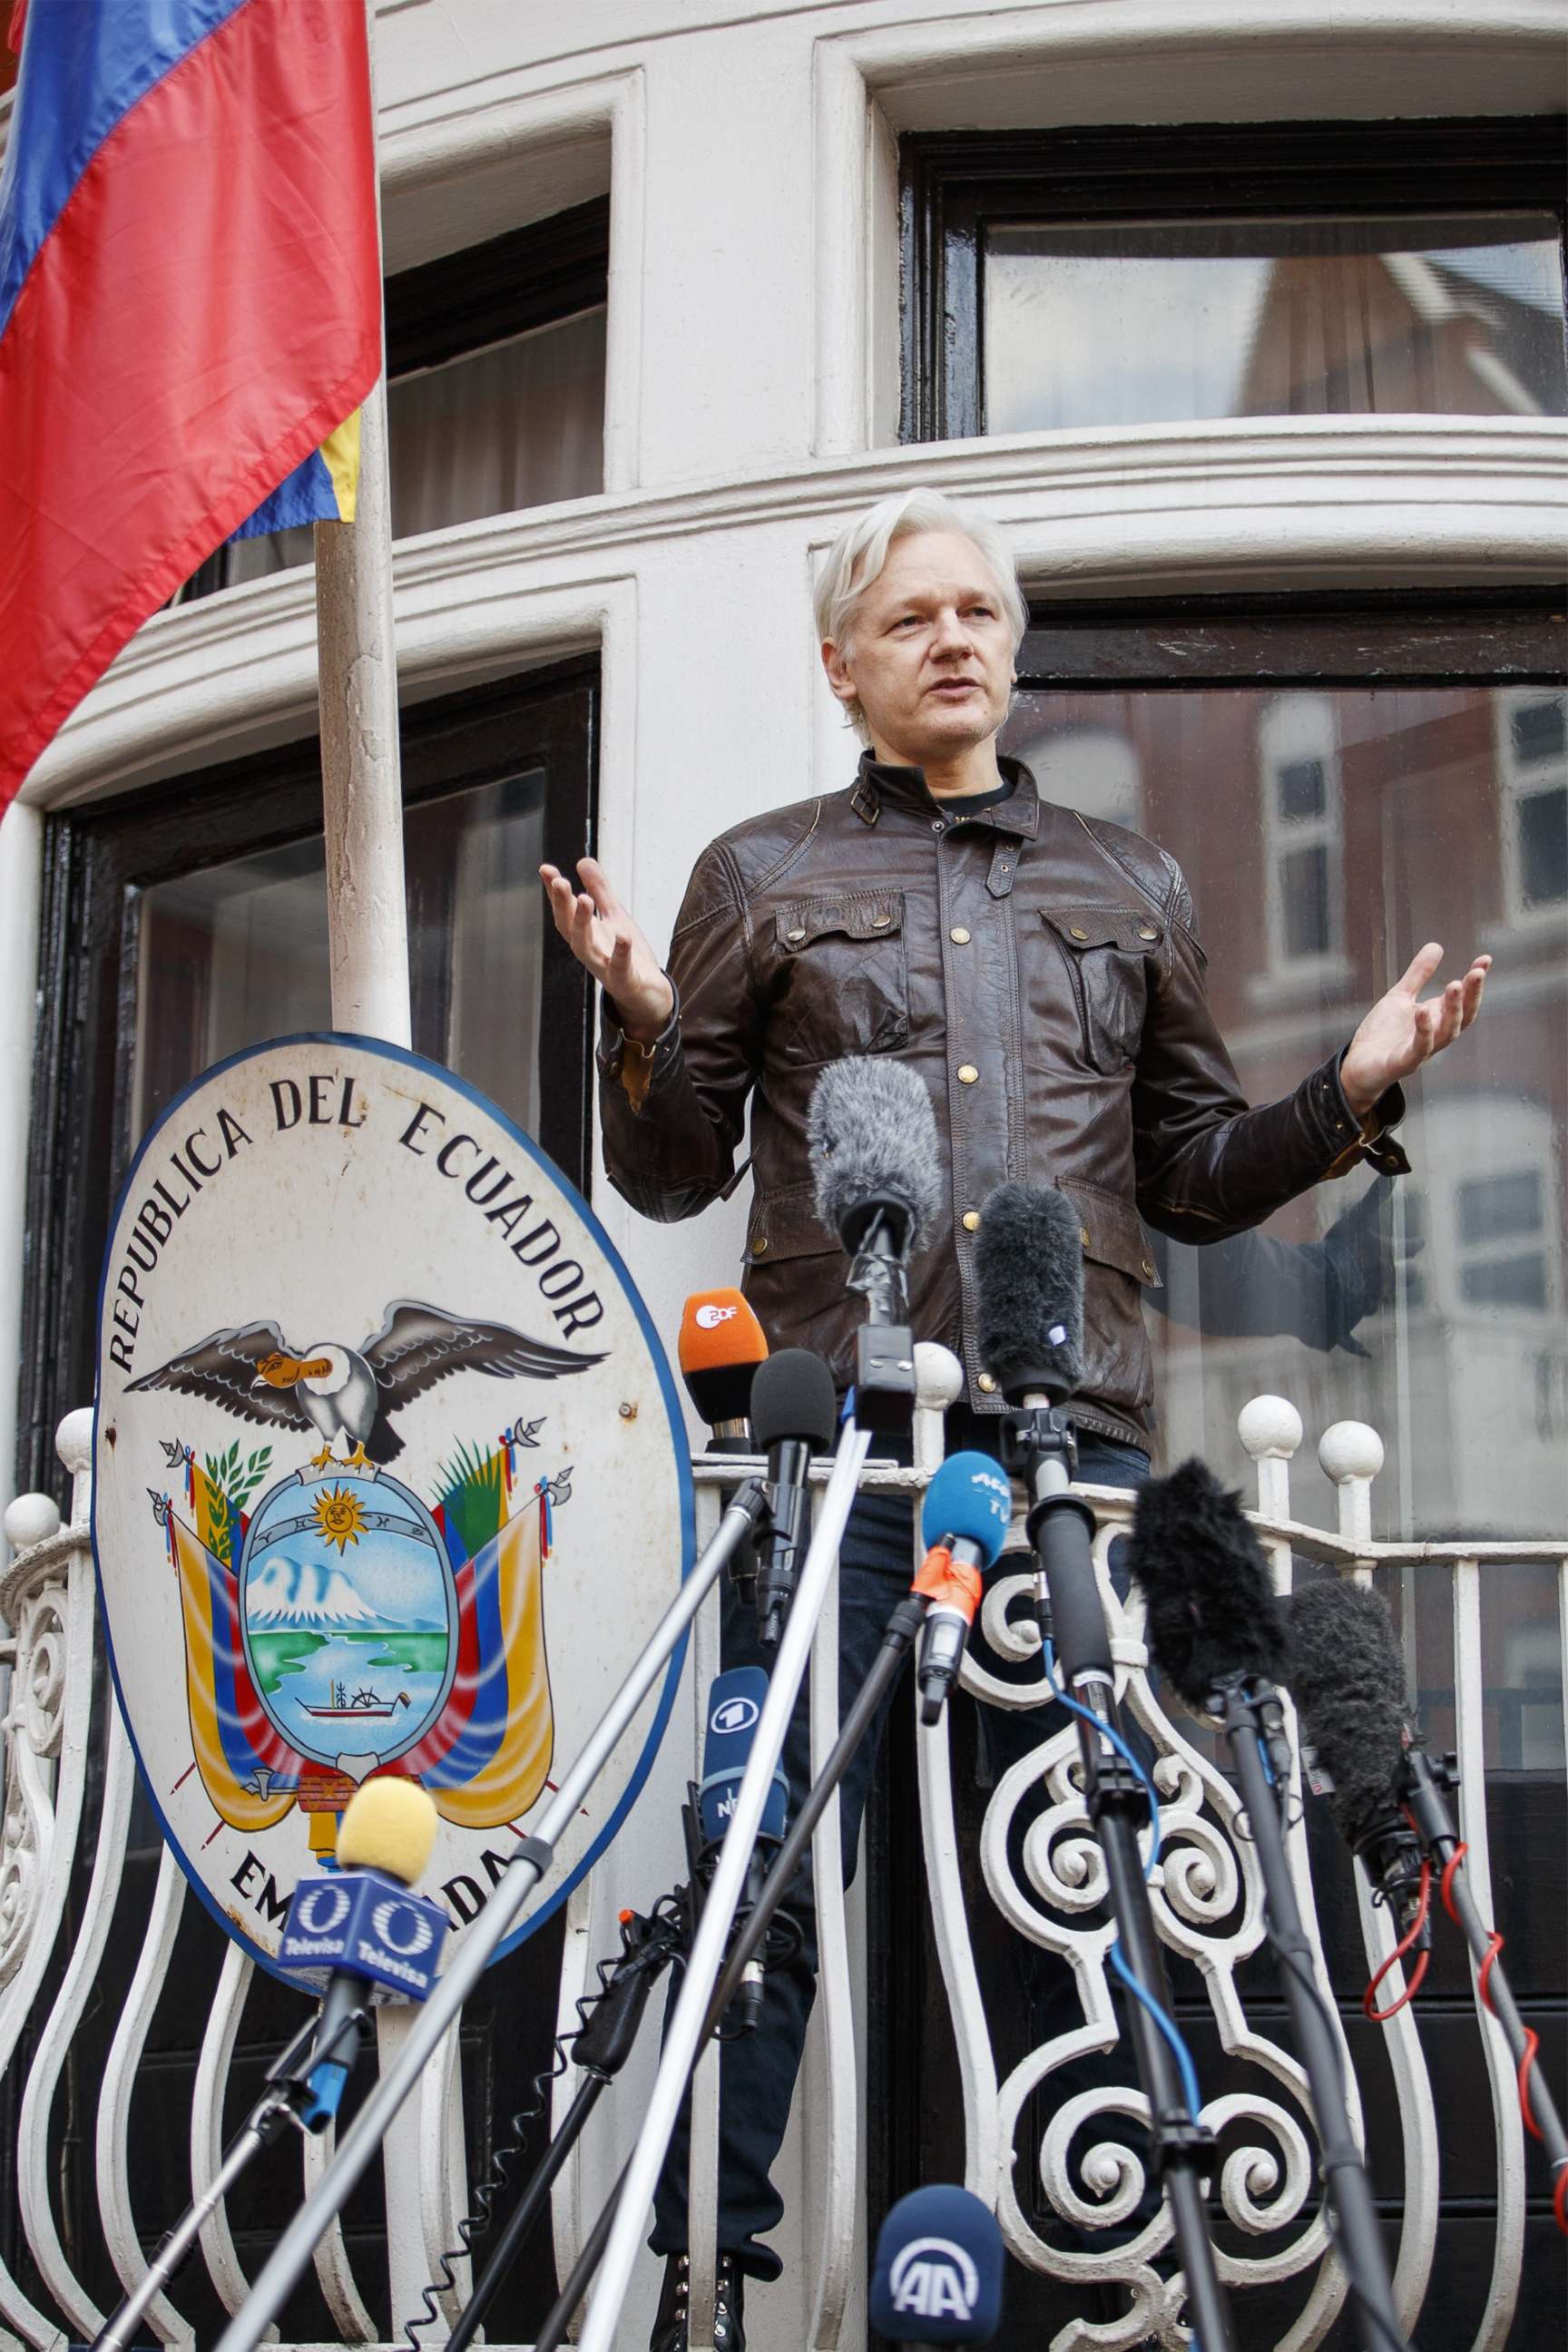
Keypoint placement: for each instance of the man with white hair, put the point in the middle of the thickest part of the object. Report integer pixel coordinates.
(1041, 971)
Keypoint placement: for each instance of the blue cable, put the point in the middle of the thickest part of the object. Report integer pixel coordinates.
(1167, 2024)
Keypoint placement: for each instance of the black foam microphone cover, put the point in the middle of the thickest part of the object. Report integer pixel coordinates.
(1347, 1680)
(793, 1398)
(870, 1132)
(1028, 1264)
(1213, 1612)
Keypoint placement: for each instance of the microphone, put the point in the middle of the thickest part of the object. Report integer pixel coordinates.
(1348, 1677)
(794, 1414)
(735, 1702)
(964, 1520)
(877, 1177)
(937, 2278)
(357, 1933)
(1213, 1614)
(721, 1345)
(1028, 1266)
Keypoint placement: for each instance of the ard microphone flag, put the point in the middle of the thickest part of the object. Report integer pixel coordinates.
(190, 308)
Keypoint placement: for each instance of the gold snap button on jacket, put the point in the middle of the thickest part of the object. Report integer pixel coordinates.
(967, 1074)
(987, 1384)
(970, 1221)
(881, 923)
(1077, 932)
(759, 1245)
(799, 933)
(1145, 932)
(1083, 1236)
(1148, 1269)
(959, 937)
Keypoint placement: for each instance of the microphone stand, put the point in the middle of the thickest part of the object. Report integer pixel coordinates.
(284, 2099)
(1427, 1788)
(622, 2222)
(1252, 1715)
(877, 1237)
(531, 1858)
(1041, 1448)
(899, 1638)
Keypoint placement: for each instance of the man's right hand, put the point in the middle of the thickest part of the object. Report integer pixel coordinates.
(609, 946)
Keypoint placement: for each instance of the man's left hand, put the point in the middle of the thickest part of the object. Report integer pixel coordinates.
(1401, 1032)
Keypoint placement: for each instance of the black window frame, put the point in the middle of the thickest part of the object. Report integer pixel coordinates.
(952, 185)
(100, 858)
(470, 300)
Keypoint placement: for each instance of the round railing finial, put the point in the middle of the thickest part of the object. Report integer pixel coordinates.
(939, 1375)
(31, 1520)
(1271, 1428)
(1350, 1449)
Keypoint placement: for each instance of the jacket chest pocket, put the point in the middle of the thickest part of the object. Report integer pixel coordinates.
(843, 976)
(1108, 950)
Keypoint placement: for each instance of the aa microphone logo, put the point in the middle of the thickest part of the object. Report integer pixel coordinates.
(709, 1318)
(934, 2278)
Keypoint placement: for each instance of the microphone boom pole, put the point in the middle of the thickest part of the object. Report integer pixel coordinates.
(531, 1860)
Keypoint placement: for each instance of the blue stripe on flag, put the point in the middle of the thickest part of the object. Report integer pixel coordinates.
(85, 63)
(307, 495)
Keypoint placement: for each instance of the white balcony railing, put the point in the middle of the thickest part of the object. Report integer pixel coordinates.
(1207, 1904)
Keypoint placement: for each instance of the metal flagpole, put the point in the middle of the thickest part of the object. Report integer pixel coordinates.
(367, 945)
(361, 788)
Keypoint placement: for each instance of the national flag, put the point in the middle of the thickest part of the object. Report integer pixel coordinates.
(190, 306)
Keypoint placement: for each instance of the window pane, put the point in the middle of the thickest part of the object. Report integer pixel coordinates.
(1538, 730)
(1146, 322)
(237, 953)
(519, 425)
(1506, 1282)
(1491, 1208)
(1303, 790)
(1543, 847)
(1304, 883)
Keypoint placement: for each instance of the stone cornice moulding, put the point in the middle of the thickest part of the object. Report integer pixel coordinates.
(1316, 503)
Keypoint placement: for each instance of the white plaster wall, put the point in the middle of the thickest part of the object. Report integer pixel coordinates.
(751, 157)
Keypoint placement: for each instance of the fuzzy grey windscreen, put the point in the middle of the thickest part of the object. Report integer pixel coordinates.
(1347, 1677)
(870, 1132)
(1028, 1264)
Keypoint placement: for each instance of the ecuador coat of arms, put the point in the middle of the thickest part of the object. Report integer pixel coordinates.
(426, 1552)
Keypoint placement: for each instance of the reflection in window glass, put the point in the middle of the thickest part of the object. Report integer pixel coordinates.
(1451, 1280)
(1131, 322)
(237, 952)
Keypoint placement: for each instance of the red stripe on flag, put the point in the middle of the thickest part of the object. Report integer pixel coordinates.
(204, 311)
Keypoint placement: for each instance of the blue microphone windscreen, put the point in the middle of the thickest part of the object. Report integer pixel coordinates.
(970, 1495)
(938, 2274)
(734, 1709)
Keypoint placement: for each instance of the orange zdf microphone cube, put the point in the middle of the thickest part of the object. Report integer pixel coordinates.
(722, 1344)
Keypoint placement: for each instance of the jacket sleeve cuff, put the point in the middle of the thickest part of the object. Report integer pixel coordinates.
(638, 1068)
(1348, 1140)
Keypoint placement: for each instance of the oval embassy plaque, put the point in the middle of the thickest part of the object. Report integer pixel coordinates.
(389, 1475)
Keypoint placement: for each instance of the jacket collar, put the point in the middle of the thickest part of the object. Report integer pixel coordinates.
(879, 784)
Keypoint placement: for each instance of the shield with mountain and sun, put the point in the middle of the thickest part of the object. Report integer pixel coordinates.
(352, 1570)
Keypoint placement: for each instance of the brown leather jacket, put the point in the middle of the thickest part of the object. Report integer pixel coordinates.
(1042, 973)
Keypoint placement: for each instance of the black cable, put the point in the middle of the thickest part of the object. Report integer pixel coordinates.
(480, 2215)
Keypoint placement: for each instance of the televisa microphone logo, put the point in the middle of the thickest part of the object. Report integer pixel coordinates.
(709, 1318)
(934, 2278)
(402, 1929)
(322, 1909)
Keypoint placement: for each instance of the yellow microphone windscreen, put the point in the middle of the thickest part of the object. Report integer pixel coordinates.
(388, 1825)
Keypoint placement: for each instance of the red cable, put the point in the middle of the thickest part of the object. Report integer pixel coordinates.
(1413, 1984)
(1532, 2039)
(1560, 2202)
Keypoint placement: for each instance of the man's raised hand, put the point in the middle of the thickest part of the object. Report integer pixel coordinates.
(1401, 1032)
(609, 946)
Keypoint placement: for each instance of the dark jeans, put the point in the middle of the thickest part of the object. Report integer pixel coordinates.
(757, 2072)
